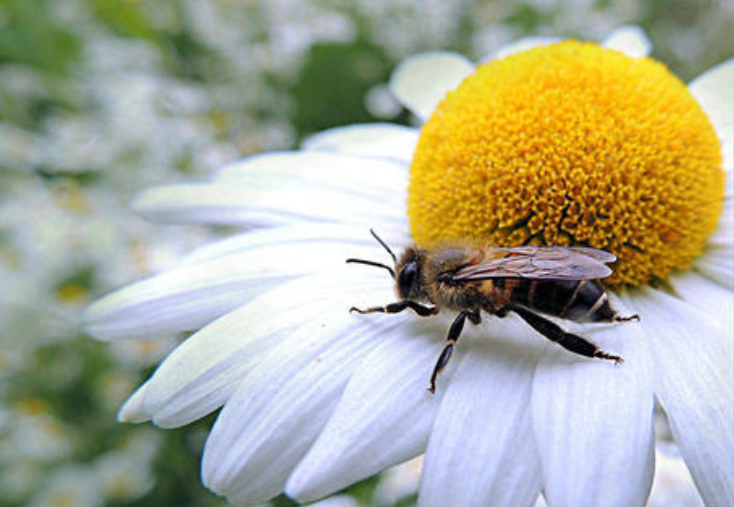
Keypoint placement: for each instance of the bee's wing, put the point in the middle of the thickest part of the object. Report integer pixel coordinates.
(600, 255)
(574, 263)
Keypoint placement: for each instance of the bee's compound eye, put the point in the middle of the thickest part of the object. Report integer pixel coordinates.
(407, 277)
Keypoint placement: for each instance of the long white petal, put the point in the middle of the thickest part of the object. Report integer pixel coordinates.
(482, 450)
(228, 204)
(593, 422)
(382, 140)
(179, 300)
(200, 375)
(708, 296)
(191, 296)
(282, 405)
(630, 40)
(724, 234)
(717, 263)
(693, 382)
(717, 260)
(384, 417)
(318, 170)
(421, 81)
(295, 235)
(714, 90)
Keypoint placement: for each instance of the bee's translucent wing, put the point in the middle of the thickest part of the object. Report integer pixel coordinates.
(600, 255)
(559, 263)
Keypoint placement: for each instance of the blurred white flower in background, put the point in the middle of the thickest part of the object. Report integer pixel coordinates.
(127, 473)
(69, 486)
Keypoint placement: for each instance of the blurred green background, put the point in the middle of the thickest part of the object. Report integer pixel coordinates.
(101, 98)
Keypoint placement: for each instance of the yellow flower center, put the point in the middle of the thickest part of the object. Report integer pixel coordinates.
(571, 144)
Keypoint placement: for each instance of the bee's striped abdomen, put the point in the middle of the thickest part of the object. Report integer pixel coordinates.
(577, 300)
(590, 304)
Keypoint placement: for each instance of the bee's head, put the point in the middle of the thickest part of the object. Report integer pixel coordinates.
(407, 275)
(406, 272)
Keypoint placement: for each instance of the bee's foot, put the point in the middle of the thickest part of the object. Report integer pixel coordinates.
(432, 388)
(603, 355)
(619, 318)
(367, 310)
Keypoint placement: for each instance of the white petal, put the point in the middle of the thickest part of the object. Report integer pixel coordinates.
(367, 140)
(693, 382)
(727, 151)
(717, 263)
(384, 417)
(191, 296)
(133, 410)
(593, 421)
(717, 260)
(724, 234)
(714, 90)
(179, 300)
(319, 170)
(200, 375)
(481, 450)
(520, 45)
(293, 235)
(630, 40)
(708, 296)
(228, 204)
(421, 81)
(282, 405)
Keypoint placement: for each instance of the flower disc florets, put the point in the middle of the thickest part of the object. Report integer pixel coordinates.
(571, 144)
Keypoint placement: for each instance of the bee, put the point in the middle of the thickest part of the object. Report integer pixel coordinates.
(527, 281)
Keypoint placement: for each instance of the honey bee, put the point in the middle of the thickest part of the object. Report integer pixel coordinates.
(526, 280)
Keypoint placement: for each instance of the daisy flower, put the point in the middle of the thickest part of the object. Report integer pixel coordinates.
(562, 143)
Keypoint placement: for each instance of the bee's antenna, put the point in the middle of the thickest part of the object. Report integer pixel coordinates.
(372, 263)
(384, 245)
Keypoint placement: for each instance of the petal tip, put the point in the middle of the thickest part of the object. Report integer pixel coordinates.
(133, 410)
(93, 318)
(631, 40)
(299, 489)
(422, 80)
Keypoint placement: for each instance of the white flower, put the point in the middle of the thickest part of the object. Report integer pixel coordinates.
(123, 477)
(315, 398)
(69, 485)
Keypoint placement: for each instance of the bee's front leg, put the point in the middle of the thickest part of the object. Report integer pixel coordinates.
(454, 332)
(475, 317)
(423, 311)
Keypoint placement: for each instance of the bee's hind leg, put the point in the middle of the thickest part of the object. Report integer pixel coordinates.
(423, 311)
(555, 333)
(454, 332)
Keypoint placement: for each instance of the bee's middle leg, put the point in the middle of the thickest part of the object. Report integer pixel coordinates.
(454, 332)
(555, 333)
(423, 311)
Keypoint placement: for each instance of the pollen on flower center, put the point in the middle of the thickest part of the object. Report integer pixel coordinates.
(571, 144)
